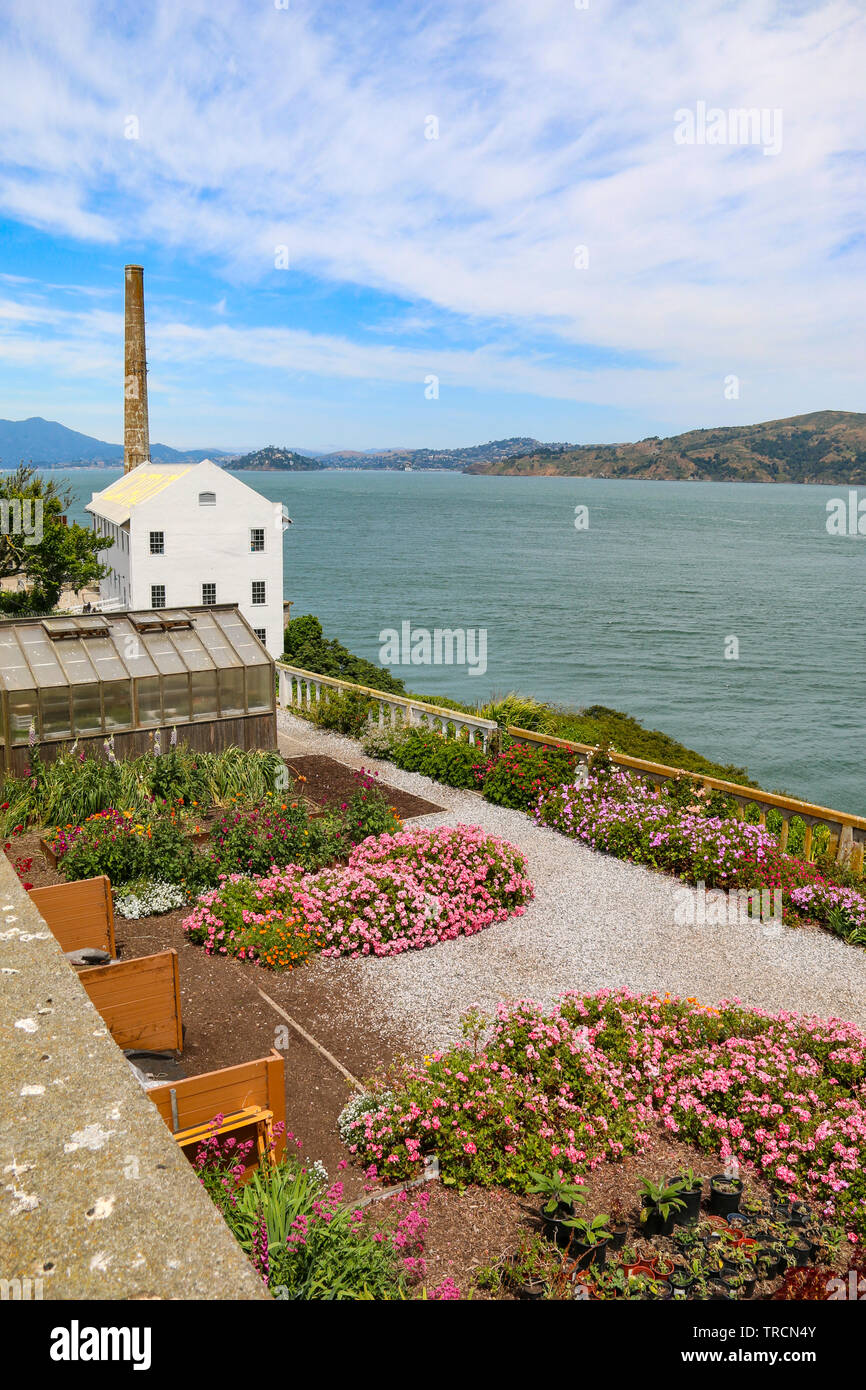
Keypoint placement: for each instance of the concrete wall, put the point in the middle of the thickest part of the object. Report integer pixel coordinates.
(96, 1199)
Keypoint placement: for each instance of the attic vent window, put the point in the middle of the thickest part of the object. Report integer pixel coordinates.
(207, 499)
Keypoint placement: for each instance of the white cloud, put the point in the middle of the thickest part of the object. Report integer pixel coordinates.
(260, 127)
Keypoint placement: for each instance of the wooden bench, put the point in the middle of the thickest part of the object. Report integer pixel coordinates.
(139, 1000)
(79, 914)
(251, 1096)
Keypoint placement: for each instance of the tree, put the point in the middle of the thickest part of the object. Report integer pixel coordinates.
(38, 547)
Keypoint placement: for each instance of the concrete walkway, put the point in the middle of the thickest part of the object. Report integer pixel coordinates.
(595, 922)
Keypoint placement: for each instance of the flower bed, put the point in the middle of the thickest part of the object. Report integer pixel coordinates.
(593, 1078)
(114, 843)
(396, 893)
(162, 846)
(619, 815)
(305, 1241)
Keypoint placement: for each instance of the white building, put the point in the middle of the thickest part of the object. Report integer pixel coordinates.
(193, 534)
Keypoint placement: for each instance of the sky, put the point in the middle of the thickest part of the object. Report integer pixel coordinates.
(433, 224)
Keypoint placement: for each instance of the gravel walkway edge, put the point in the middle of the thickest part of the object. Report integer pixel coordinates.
(595, 922)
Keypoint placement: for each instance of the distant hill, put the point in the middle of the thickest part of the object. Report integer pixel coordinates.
(494, 452)
(828, 446)
(458, 459)
(274, 460)
(52, 445)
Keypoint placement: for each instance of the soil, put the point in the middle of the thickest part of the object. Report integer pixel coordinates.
(330, 783)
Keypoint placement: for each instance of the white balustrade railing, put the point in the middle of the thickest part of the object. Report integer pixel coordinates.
(304, 690)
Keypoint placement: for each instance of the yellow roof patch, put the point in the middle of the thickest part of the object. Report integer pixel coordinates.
(140, 485)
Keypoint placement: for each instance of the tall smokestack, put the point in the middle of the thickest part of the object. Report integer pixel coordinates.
(136, 434)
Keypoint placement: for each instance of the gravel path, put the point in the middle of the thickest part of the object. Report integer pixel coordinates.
(595, 921)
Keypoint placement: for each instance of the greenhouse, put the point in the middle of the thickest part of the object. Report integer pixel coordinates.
(128, 674)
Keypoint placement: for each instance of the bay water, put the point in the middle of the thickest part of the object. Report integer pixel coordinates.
(724, 614)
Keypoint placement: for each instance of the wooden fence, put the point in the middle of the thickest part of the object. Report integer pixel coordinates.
(139, 1000)
(251, 1098)
(80, 914)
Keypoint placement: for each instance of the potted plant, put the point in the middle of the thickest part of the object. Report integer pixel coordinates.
(558, 1209)
(660, 1203)
(682, 1281)
(753, 1204)
(742, 1283)
(724, 1194)
(741, 1220)
(691, 1190)
(589, 1240)
(618, 1227)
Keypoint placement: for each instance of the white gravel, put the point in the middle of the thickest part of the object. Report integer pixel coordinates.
(594, 922)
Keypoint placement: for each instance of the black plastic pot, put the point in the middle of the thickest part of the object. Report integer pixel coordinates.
(690, 1213)
(664, 1293)
(717, 1291)
(617, 1240)
(532, 1290)
(772, 1259)
(738, 1290)
(656, 1224)
(803, 1252)
(556, 1229)
(588, 1256)
(723, 1203)
(682, 1290)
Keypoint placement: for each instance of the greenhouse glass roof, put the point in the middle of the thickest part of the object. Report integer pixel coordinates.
(46, 652)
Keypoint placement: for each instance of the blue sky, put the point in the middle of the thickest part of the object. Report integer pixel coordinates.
(257, 127)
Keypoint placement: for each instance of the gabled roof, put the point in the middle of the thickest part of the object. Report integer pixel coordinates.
(117, 500)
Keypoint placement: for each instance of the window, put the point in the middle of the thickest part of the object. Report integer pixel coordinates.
(207, 499)
(262, 634)
(157, 542)
(204, 694)
(260, 688)
(208, 595)
(86, 708)
(157, 595)
(257, 538)
(259, 591)
(231, 690)
(175, 697)
(149, 703)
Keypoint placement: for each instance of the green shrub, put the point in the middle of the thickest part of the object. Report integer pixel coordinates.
(306, 647)
(127, 850)
(306, 1243)
(521, 772)
(343, 712)
(452, 761)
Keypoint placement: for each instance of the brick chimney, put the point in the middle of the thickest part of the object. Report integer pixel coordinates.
(136, 433)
